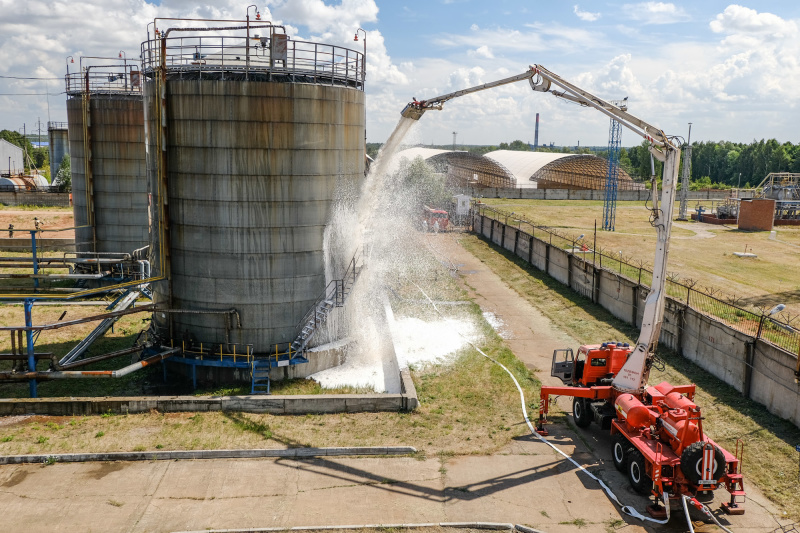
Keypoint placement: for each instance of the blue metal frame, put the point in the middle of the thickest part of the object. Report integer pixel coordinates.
(35, 261)
(28, 305)
(242, 362)
(612, 178)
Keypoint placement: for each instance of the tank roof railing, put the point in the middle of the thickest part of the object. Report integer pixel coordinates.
(57, 125)
(215, 56)
(106, 79)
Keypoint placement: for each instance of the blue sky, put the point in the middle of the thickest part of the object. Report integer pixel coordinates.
(731, 69)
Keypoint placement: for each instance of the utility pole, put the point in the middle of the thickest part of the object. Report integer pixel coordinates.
(687, 164)
(454, 140)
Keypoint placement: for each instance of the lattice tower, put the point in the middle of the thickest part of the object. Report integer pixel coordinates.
(612, 178)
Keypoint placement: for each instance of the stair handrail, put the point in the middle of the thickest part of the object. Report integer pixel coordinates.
(331, 292)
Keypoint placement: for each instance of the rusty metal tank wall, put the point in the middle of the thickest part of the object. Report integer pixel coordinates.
(118, 172)
(253, 168)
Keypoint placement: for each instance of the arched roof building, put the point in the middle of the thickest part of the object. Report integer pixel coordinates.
(511, 169)
(560, 171)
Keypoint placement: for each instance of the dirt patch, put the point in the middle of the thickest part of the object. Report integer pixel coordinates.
(9, 421)
(49, 219)
(104, 469)
(16, 478)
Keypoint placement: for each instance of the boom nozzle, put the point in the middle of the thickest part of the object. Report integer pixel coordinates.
(413, 110)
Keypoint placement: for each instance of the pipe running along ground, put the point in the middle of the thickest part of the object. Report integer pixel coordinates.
(77, 374)
(628, 510)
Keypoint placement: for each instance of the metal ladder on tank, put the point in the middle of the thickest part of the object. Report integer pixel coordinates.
(335, 295)
(259, 377)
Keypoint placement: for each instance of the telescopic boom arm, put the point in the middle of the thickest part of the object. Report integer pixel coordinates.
(634, 374)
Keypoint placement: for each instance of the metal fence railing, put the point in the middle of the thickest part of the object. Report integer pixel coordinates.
(712, 302)
(259, 51)
(112, 77)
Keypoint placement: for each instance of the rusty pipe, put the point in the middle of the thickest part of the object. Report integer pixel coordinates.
(95, 359)
(58, 325)
(78, 374)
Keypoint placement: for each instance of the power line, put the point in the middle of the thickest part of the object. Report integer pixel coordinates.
(24, 78)
(32, 94)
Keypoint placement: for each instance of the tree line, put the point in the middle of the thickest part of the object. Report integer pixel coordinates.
(715, 164)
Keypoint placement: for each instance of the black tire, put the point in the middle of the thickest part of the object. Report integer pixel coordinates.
(581, 413)
(692, 463)
(620, 450)
(637, 475)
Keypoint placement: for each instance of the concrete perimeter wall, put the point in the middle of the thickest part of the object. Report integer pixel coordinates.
(48, 199)
(754, 367)
(570, 194)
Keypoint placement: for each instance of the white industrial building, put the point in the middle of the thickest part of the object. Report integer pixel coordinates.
(11, 159)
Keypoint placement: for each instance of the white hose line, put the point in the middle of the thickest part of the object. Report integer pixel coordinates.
(704, 509)
(630, 511)
(625, 509)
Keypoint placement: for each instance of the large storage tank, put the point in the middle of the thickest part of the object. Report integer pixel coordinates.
(106, 124)
(58, 145)
(254, 153)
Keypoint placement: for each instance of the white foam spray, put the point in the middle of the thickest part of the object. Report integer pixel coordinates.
(378, 223)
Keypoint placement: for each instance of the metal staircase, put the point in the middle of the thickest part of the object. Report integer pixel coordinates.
(334, 295)
(125, 301)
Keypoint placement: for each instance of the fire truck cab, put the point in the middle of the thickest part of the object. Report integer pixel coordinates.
(596, 364)
(432, 216)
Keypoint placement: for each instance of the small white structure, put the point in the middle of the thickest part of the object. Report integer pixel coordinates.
(11, 161)
(461, 202)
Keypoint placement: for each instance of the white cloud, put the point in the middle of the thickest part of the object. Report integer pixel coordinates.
(337, 24)
(323, 19)
(743, 20)
(481, 52)
(655, 12)
(36, 36)
(550, 36)
(585, 15)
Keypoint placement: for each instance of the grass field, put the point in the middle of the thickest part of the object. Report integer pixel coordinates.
(466, 407)
(700, 252)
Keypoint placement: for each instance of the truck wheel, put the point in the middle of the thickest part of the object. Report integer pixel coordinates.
(580, 412)
(637, 473)
(620, 450)
(692, 463)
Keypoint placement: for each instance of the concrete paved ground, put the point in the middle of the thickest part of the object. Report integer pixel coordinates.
(527, 483)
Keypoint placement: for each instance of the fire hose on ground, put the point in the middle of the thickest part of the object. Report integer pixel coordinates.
(628, 510)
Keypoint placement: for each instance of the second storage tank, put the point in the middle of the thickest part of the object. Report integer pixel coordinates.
(107, 152)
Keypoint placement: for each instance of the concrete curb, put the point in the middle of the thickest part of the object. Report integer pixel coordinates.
(455, 525)
(169, 455)
(274, 404)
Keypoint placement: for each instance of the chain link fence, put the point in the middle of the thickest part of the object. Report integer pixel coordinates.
(710, 301)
